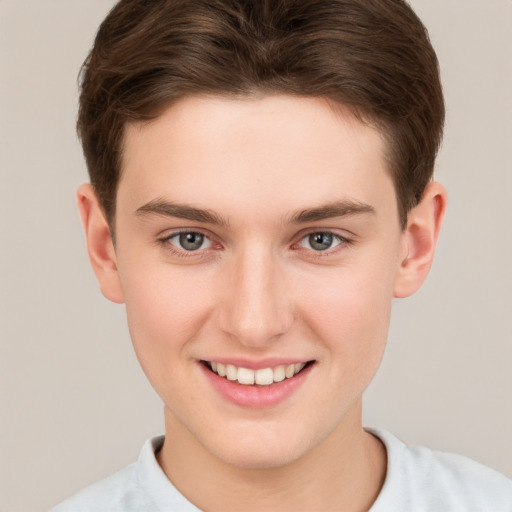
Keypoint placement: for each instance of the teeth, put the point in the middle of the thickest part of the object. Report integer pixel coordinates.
(299, 366)
(245, 376)
(262, 377)
(231, 372)
(279, 374)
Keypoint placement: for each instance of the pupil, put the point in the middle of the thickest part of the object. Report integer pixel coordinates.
(320, 241)
(191, 241)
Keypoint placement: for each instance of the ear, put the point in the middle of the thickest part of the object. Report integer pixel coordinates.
(419, 240)
(99, 243)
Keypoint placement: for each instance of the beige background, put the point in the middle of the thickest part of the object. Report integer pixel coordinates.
(74, 405)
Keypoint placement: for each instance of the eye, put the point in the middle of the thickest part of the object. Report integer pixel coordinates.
(320, 241)
(190, 241)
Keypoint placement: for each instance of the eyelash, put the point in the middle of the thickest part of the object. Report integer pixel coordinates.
(165, 242)
(342, 242)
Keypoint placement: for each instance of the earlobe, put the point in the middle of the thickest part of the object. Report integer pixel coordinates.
(419, 240)
(99, 243)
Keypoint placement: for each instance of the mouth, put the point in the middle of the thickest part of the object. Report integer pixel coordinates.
(255, 378)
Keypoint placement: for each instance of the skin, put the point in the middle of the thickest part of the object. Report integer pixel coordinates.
(258, 289)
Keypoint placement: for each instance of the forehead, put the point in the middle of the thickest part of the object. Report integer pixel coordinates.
(226, 152)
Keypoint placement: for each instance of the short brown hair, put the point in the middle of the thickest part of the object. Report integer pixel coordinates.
(371, 55)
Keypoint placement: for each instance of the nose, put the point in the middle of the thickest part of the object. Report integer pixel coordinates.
(257, 308)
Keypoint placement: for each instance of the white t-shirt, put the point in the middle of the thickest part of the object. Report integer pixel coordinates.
(418, 480)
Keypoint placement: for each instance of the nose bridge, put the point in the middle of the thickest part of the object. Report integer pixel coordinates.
(257, 308)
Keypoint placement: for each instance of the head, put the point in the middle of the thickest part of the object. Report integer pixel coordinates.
(266, 168)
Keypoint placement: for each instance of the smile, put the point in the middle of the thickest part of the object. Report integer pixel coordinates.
(260, 377)
(263, 385)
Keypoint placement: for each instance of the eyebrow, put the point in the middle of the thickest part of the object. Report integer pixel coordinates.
(183, 211)
(344, 208)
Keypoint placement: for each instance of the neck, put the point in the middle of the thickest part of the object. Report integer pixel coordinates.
(344, 472)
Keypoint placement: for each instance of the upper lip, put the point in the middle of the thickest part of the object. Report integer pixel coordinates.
(258, 364)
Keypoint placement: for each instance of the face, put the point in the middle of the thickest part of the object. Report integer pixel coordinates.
(258, 237)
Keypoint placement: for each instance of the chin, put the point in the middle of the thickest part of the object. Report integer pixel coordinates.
(260, 449)
(260, 457)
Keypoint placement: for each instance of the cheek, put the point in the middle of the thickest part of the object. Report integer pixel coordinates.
(349, 312)
(165, 311)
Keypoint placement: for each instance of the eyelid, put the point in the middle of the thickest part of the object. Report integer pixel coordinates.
(176, 236)
(166, 235)
(163, 239)
(169, 233)
(344, 241)
(338, 239)
(343, 234)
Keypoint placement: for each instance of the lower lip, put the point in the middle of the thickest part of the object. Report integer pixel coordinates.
(256, 397)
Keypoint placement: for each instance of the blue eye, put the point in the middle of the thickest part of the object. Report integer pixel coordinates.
(320, 241)
(190, 241)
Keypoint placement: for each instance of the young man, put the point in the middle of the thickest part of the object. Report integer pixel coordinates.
(261, 189)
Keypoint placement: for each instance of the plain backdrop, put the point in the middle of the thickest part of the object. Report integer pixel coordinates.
(74, 405)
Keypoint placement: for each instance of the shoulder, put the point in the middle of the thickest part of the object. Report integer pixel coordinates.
(140, 486)
(421, 479)
(105, 495)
